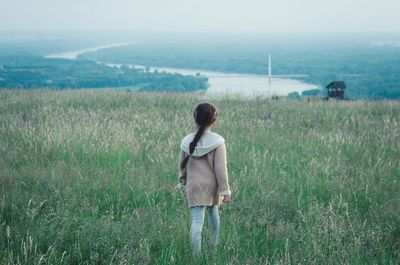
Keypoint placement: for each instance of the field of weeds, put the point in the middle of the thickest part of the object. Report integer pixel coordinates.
(87, 177)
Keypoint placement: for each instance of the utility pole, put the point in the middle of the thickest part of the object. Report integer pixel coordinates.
(269, 69)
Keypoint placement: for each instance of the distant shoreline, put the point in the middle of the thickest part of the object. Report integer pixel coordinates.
(73, 55)
(246, 85)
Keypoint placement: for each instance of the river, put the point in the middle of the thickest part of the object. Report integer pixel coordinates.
(220, 84)
(73, 55)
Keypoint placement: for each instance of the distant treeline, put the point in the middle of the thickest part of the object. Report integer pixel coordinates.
(369, 72)
(31, 72)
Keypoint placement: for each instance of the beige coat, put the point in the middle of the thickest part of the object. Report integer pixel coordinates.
(205, 177)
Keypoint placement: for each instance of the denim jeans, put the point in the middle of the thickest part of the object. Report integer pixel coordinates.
(196, 227)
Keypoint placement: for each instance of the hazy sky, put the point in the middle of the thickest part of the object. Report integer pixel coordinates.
(201, 15)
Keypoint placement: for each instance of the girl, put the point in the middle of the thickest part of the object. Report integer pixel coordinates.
(203, 174)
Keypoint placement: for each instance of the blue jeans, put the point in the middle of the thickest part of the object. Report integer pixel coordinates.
(196, 227)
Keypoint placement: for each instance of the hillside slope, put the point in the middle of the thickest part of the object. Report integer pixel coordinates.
(89, 176)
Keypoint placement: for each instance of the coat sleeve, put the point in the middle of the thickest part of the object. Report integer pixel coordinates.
(221, 170)
(182, 172)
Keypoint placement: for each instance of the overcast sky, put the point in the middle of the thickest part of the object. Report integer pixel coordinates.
(202, 15)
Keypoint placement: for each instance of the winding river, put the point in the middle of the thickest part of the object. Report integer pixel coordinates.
(73, 55)
(220, 84)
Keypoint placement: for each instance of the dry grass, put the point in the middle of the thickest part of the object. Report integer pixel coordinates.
(87, 177)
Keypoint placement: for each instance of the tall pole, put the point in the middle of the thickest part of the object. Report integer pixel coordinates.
(269, 69)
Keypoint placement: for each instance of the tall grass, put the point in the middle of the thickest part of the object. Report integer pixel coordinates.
(87, 177)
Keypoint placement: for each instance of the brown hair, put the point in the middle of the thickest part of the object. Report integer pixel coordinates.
(205, 114)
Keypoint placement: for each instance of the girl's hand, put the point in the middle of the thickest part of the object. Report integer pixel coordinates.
(180, 186)
(226, 198)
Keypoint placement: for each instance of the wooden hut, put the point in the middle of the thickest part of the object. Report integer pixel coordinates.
(336, 89)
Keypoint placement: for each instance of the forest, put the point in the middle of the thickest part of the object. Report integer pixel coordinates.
(31, 72)
(369, 71)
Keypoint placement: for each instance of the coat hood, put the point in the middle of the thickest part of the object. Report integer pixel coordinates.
(207, 143)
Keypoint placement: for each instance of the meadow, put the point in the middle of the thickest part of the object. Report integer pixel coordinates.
(87, 177)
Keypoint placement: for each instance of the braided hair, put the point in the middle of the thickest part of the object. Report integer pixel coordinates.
(205, 114)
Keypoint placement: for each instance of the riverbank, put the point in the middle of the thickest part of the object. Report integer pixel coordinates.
(219, 84)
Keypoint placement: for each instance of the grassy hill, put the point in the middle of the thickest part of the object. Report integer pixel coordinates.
(88, 177)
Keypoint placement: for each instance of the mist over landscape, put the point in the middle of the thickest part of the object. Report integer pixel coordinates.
(368, 63)
(96, 97)
(311, 44)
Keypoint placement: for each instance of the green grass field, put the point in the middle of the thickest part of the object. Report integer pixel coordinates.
(87, 177)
